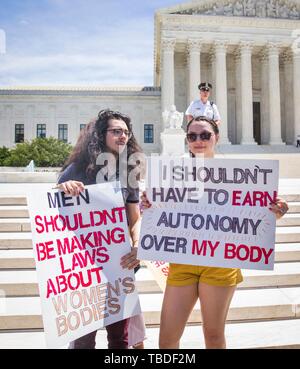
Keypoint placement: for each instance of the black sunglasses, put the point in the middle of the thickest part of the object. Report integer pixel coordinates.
(205, 89)
(204, 136)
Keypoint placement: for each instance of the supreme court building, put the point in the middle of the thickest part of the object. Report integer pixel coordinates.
(248, 49)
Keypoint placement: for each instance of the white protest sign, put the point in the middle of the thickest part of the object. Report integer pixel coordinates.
(78, 243)
(229, 224)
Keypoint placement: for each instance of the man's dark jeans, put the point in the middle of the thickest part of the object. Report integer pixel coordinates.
(117, 337)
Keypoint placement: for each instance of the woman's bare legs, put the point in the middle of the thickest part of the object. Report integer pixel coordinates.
(215, 302)
(177, 306)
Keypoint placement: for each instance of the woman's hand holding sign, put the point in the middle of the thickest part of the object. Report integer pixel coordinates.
(145, 202)
(279, 208)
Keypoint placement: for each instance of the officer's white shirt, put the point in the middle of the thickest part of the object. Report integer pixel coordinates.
(197, 108)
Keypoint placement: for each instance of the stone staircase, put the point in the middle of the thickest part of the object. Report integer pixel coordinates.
(265, 311)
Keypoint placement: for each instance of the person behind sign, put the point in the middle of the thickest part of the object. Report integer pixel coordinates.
(110, 133)
(214, 287)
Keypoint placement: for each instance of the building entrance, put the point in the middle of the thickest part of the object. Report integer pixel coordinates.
(256, 122)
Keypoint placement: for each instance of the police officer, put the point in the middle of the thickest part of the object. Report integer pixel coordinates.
(203, 107)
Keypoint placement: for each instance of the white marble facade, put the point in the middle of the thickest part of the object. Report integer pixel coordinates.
(248, 49)
(75, 107)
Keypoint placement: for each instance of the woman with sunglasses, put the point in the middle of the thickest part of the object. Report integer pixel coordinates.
(214, 287)
(110, 133)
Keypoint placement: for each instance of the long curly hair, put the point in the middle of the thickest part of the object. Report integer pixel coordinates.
(92, 142)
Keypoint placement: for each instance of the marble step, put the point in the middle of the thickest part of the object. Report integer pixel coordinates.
(287, 252)
(246, 335)
(287, 234)
(24, 283)
(279, 303)
(290, 197)
(294, 207)
(16, 254)
(15, 225)
(19, 211)
(289, 220)
(23, 224)
(280, 334)
(17, 264)
(15, 240)
(13, 200)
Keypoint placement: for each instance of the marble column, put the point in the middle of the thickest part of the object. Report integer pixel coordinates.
(264, 99)
(274, 95)
(212, 63)
(194, 63)
(247, 94)
(296, 78)
(221, 89)
(168, 82)
(288, 94)
(238, 96)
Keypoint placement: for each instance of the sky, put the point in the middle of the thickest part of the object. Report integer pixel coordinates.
(77, 42)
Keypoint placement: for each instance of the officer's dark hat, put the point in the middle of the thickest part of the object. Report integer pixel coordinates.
(205, 86)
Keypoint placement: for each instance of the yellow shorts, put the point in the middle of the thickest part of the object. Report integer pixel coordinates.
(184, 275)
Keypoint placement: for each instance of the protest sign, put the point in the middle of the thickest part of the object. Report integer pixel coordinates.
(160, 271)
(78, 243)
(226, 224)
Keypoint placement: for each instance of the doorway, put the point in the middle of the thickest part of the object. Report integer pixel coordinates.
(256, 122)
